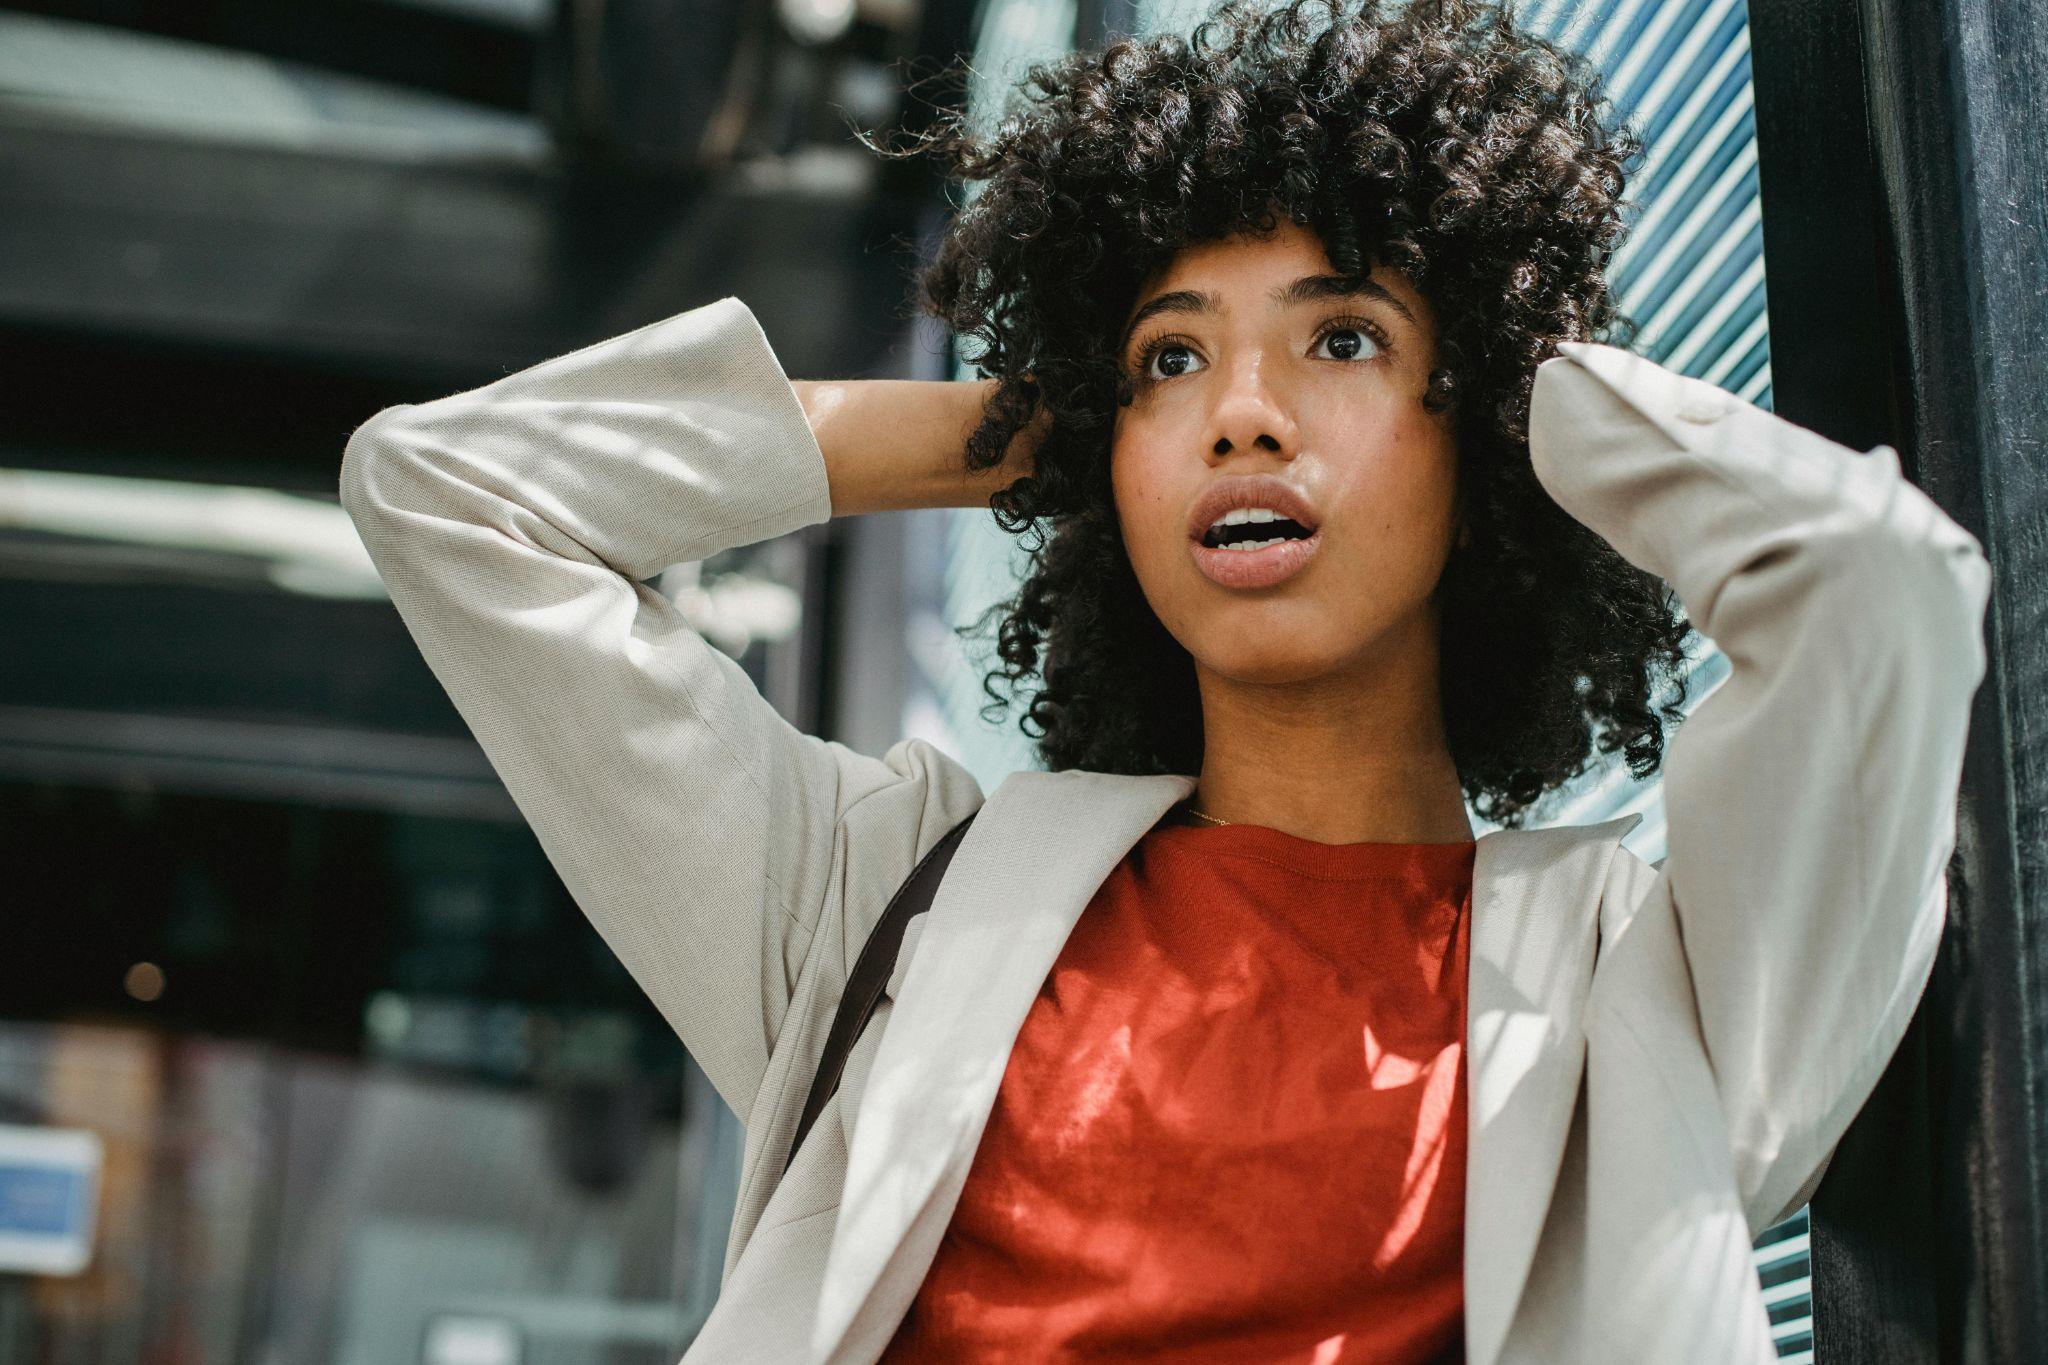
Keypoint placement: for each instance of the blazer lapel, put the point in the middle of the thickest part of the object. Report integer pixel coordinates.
(1033, 859)
(1535, 921)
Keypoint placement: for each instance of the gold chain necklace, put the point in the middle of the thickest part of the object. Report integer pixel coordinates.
(1204, 815)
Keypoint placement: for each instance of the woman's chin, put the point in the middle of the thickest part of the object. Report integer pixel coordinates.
(1279, 661)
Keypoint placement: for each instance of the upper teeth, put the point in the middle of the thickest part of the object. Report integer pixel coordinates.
(1241, 515)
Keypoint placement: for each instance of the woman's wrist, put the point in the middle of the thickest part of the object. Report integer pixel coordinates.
(896, 444)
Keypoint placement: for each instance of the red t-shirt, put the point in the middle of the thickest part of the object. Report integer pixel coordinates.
(1232, 1127)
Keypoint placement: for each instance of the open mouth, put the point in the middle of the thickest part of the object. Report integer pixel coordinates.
(1254, 547)
(1249, 529)
(1253, 531)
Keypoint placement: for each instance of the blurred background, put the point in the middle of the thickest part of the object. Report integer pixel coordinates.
(305, 1055)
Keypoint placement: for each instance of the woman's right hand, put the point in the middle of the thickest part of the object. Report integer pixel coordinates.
(895, 444)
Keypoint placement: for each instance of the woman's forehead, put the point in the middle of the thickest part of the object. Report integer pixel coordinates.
(1250, 271)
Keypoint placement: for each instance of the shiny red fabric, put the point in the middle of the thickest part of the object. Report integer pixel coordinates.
(1232, 1127)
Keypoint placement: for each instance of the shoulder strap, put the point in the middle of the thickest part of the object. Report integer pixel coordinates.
(871, 972)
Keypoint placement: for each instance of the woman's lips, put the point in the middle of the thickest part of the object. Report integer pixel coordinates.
(1256, 568)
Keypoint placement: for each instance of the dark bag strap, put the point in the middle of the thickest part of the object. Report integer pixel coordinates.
(871, 972)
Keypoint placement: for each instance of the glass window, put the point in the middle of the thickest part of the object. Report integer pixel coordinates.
(345, 1073)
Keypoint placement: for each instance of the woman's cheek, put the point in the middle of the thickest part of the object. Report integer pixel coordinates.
(1143, 508)
(1154, 551)
(1152, 535)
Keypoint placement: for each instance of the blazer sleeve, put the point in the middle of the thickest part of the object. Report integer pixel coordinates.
(1811, 796)
(710, 842)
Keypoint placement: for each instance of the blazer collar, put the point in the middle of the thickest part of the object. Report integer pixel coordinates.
(1041, 846)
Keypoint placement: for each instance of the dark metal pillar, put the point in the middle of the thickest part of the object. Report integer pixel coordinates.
(1904, 164)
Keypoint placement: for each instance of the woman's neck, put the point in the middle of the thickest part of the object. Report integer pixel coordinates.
(1345, 758)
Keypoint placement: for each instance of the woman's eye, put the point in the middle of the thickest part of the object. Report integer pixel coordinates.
(1172, 357)
(1348, 343)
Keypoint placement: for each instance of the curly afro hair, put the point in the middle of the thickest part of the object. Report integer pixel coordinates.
(1440, 140)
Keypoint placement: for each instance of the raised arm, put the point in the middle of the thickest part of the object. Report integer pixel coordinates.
(711, 843)
(895, 444)
(1811, 797)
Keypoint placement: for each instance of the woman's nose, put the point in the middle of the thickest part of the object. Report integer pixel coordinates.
(1251, 416)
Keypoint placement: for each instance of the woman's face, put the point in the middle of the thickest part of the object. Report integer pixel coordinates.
(1259, 382)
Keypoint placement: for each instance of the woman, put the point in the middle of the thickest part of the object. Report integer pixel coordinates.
(1224, 1038)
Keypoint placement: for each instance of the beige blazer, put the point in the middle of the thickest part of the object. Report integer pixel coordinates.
(1661, 1060)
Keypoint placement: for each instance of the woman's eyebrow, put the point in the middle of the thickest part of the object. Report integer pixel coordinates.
(1307, 289)
(1177, 301)
(1312, 288)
